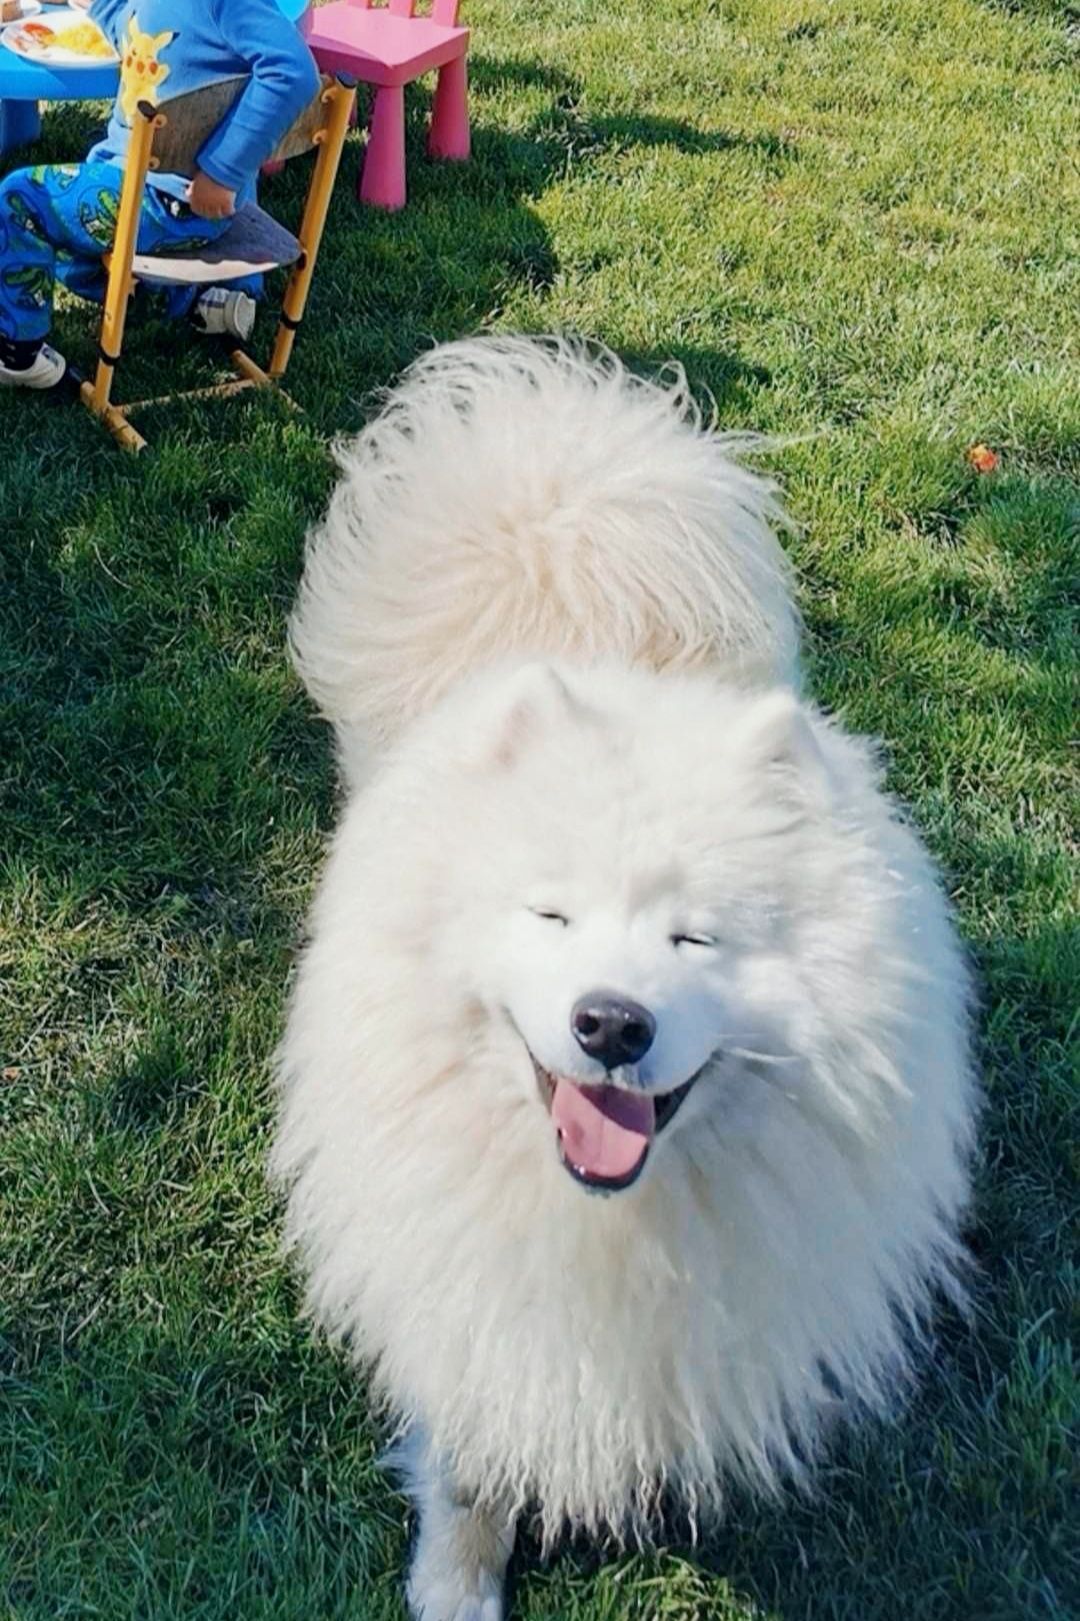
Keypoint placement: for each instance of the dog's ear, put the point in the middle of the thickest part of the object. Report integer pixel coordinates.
(538, 697)
(777, 740)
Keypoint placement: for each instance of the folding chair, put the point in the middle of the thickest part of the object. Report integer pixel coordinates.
(169, 137)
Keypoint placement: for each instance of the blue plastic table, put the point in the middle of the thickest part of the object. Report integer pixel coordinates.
(24, 84)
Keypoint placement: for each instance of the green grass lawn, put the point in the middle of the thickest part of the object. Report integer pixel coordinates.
(855, 224)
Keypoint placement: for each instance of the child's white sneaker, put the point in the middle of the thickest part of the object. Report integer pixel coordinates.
(224, 310)
(44, 371)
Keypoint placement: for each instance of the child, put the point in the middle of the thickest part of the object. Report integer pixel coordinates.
(56, 220)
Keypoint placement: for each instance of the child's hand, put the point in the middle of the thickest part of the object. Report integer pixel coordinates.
(209, 200)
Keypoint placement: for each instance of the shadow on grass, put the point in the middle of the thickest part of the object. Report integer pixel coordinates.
(192, 1473)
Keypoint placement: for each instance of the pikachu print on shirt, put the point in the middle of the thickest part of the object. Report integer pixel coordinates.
(142, 71)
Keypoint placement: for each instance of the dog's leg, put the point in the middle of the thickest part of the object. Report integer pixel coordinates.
(462, 1551)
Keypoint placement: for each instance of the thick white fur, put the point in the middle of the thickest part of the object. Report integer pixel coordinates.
(515, 503)
(511, 500)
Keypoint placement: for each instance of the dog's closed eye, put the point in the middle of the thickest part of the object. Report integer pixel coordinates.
(549, 916)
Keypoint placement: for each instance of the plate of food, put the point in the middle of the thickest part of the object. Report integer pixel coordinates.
(58, 38)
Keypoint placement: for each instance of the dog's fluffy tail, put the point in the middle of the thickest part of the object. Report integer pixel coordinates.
(534, 498)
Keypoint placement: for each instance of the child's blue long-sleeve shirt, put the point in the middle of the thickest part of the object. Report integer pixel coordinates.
(167, 48)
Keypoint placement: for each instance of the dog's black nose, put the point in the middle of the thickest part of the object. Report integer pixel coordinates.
(612, 1029)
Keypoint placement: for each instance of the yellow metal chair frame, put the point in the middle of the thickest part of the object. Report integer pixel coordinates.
(336, 98)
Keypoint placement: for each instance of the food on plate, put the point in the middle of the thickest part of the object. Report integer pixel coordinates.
(82, 38)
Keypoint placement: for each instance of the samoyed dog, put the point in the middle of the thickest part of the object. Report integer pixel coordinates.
(625, 1097)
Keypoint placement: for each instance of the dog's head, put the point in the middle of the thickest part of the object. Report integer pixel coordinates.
(634, 904)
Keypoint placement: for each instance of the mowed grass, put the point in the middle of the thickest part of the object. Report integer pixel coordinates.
(854, 224)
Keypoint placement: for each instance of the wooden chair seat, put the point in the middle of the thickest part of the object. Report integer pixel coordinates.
(254, 242)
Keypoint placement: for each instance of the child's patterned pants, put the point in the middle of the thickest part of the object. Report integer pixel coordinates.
(56, 220)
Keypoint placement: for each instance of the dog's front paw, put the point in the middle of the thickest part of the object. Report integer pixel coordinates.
(463, 1545)
(449, 1595)
(459, 1566)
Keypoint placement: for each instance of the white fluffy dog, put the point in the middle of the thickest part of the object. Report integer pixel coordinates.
(610, 909)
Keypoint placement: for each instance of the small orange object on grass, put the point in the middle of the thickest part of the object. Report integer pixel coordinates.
(982, 458)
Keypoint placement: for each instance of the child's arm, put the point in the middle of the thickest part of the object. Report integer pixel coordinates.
(109, 16)
(283, 80)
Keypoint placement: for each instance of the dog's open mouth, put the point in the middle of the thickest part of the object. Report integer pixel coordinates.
(604, 1132)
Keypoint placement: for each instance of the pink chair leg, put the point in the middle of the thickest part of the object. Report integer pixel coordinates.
(382, 181)
(449, 134)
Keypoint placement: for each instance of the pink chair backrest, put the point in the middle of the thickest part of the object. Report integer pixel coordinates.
(442, 11)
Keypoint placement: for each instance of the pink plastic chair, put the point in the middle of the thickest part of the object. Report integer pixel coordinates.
(388, 46)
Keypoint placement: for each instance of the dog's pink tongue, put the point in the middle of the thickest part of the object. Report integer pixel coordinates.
(605, 1131)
